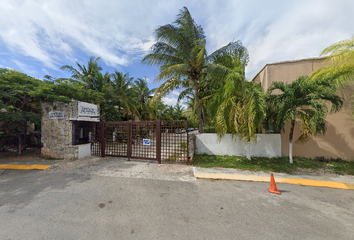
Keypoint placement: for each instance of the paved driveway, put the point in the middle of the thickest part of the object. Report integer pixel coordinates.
(115, 199)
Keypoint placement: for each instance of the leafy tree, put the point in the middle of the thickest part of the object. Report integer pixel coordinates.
(307, 100)
(20, 97)
(111, 114)
(74, 89)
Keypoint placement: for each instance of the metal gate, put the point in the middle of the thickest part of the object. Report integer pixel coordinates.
(163, 141)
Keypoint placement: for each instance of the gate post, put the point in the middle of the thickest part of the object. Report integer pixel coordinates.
(158, 141)
(102, 139)
(129, 141)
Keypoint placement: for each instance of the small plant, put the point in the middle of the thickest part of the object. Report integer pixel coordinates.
(183, 145)
(209, 129)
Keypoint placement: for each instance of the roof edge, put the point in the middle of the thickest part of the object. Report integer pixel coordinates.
(287, 61)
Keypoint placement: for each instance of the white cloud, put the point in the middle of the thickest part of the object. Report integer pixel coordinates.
(171, 101)
(58, 32)
(175, 93)
(45, 71)
(24, 67)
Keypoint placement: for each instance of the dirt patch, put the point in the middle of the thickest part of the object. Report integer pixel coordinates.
(29, 154)
(318, 171)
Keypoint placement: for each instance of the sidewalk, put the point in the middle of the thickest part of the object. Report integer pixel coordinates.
(307, 179)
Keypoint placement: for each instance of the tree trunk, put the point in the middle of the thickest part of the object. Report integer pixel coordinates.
(19, 143)
(198, 105)
(291, 141)
(101, 109)
(249, 150)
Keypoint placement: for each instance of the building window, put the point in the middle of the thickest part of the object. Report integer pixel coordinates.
(83, 132)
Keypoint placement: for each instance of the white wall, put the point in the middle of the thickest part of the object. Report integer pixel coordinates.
(84, 150)
(268, 145)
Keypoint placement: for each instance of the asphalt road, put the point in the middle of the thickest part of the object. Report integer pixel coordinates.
(134, 200)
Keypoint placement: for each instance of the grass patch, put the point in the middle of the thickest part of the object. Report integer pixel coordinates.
(183, 148)
(316, 165)
(183, 145)
(173, 157)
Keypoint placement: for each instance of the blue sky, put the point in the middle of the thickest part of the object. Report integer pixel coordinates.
(38, 37)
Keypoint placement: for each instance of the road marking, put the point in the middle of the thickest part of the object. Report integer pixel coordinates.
(24, 167)
(255, 178)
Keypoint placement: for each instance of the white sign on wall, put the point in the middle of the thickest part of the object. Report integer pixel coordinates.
(87, 110)
(146, 141)
(56, 115)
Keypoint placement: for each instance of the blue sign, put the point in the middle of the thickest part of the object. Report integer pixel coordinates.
(146, 141)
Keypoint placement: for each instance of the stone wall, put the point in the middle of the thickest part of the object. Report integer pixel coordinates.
(57, 133)
(191, 146)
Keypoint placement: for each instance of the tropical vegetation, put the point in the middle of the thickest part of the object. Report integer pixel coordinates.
(306, 100)
(180, 52)
(341, 69)
(217, 97)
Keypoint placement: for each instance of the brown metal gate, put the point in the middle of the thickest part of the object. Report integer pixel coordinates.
(163, 141)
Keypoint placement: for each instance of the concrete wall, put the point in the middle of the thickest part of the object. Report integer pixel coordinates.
(339, 140)
(268, 145)
(84, 150)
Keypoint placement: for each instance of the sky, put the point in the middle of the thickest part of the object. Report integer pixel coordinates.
(39, 37)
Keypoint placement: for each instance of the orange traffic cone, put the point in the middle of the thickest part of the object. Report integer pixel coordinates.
(273, 186)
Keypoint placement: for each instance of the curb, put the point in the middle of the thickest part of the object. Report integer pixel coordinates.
(255, 178)
(24, 167)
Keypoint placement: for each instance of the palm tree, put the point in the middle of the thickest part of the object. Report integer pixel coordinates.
(142, 95)
(157, 108)
(180, 53)
(122, 97)
(103, 84)
(239, 108)
(307, 100)
(83, 73)
(341, 55)
(178, 112)
(169, 112)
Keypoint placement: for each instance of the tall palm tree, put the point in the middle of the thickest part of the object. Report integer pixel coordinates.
(142, 95)
(83, 73)
(307, 100)
(122, 88)
(180, 53)
(93, 79)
